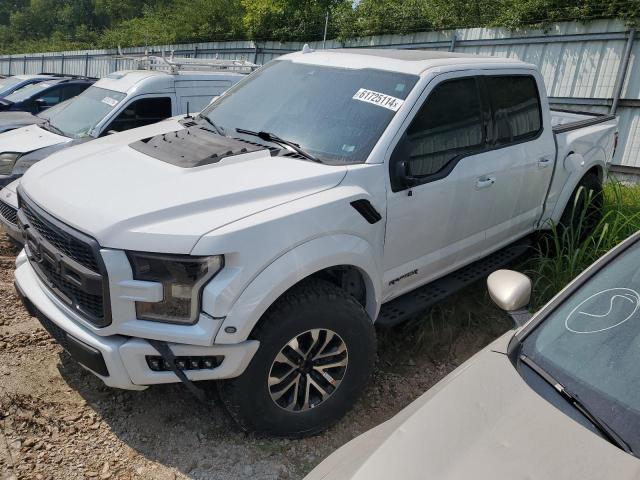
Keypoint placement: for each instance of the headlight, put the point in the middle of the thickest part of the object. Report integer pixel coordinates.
(182, 278)
(7, 160)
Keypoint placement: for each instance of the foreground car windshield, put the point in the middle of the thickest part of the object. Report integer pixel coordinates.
(7, 83)
(336, 114)
(591, 345)
(79, 116)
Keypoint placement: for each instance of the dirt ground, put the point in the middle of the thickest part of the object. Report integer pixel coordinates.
(59, 422)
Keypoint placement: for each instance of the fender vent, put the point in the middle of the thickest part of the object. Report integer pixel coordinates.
(365, 209)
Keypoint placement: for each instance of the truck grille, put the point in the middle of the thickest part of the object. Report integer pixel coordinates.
(9, 213)
(67, 261)
(63, 241)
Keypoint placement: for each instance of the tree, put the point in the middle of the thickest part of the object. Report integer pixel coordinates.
(288, 19)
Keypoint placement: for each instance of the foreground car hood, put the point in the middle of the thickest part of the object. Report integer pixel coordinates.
(13, 120)
(28, 139)
(127, 199)
(8, 194)
(481, 422)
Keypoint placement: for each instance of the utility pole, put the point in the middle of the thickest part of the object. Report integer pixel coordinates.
(326, 24)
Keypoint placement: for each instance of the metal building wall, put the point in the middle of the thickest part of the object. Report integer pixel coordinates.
(581, 63)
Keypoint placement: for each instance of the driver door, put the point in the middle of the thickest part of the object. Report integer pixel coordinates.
(434, 220)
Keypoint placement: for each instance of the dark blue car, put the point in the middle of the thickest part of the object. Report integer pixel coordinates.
(10, 84)
(40, 96)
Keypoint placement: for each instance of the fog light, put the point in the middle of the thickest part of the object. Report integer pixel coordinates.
(157, 364)
(181, 363)
(208, 363)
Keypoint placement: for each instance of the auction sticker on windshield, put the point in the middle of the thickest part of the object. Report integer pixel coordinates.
(379, 99)
(112, 102)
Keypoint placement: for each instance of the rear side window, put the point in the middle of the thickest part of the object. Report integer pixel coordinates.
(516, 107)
(448, 125)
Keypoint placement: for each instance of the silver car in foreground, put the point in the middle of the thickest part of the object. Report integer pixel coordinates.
(559, 398)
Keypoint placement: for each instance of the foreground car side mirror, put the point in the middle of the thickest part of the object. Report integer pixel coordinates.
(511, 291)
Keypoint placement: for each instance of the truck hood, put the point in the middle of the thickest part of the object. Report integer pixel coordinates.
(482, 422)
(28, 139)
(127, 199)
(13, 120)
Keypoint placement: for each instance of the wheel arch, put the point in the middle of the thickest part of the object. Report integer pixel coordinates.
(341, 259)
(596, 168)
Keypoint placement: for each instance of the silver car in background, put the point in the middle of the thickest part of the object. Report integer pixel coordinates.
(559, 398)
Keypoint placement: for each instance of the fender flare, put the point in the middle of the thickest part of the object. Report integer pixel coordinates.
(296, 265)
(573, 163)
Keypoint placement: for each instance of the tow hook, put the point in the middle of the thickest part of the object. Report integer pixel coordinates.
(167, 355)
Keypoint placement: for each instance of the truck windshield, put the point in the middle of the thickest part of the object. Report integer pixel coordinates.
(335, 114)
(79, 116)
(591, 345)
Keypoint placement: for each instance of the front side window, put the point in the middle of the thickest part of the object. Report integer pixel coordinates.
(336, 114)
(79, 116)
(448, 125)
(591, 344)
(142, 112)
(51, 97)
(516, 107)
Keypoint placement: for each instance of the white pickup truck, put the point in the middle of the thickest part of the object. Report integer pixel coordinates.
(260, 242)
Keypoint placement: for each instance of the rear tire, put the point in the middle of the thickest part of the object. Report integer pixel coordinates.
(583, 211)
(302, 336)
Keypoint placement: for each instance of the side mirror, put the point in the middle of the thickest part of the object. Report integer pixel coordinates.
(41, 104)
(400, 163)
(511, 291)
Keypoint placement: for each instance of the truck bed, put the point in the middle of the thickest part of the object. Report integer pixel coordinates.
(566, 120)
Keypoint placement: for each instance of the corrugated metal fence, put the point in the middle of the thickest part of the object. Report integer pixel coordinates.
(591, 66)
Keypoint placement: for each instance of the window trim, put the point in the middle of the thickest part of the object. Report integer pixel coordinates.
(488, 123)
(444, 172)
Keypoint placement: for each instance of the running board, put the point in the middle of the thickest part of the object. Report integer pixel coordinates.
(404, 307)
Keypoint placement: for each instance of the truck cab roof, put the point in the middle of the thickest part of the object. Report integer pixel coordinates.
(413, 62)
(128, 81)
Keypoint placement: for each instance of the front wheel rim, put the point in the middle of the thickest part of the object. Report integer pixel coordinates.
(308, 370)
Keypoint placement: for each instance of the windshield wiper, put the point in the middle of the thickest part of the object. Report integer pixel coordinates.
(53, 128)
(270, 137)
(219, 130)
(574, 400)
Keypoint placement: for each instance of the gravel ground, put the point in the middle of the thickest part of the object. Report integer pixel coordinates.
(59, 422)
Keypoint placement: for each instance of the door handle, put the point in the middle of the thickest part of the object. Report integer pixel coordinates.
(544, 162)
(485, 182)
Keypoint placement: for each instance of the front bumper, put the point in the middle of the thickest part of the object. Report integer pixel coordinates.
(124, 357)
(11, 229)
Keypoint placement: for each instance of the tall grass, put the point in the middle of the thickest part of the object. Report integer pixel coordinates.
(564, 252)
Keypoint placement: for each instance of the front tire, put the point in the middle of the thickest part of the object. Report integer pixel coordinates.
(316, 355)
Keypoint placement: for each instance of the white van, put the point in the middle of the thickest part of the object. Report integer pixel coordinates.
(121, 101)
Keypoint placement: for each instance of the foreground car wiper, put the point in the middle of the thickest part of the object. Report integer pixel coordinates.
(219, 130)
(270, 137)
(52, 128)
(574, 400)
